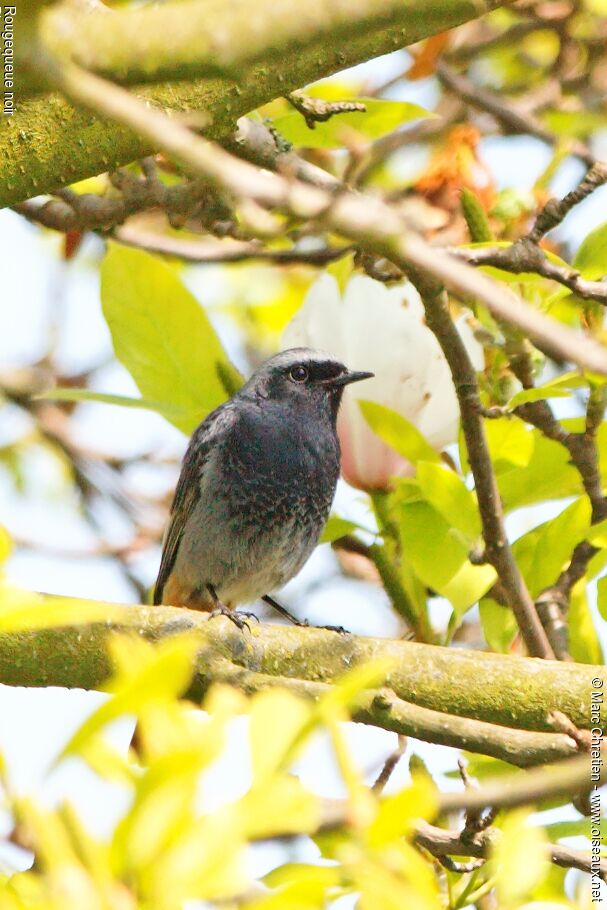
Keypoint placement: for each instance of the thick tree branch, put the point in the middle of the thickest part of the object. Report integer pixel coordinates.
(179, 40)
(47, 143)
(515, 692)
(385, 709)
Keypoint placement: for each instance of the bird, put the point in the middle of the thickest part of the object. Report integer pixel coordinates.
(256, 486)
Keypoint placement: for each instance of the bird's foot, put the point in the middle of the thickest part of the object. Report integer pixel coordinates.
(305, 624)
(238, 617)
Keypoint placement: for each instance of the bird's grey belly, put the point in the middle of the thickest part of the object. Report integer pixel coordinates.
(253, 544)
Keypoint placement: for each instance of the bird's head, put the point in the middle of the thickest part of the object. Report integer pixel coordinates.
(303, 375)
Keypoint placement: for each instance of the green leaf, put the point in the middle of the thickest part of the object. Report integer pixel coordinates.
(576, 124)
(169, 411)
(560, 387)
(431, 546)
(439, 557)
(499, 625)
(397, 432)
(543, 552)
(540, 394)
(601, 596)
(162, 336)
(147, 674)
(591, 258)
(510, 441)
(396, 815)
(337, 527)
(22, 610)
(476, 217)
(548, 474)
(6, 544)
(380, 117)
(597, 534)
(519, 857)
(447, 492)
(584, 644)
(277, 720)
(578, 827)
(468, 585)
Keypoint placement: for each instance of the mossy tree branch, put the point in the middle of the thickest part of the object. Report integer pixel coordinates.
(197, 38)
(47, 143)
(495, 704)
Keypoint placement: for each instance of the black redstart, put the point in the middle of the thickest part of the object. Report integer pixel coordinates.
(256, 486)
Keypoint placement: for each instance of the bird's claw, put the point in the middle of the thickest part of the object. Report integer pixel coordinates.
(238, 617)
(339, 629)
(304, 623)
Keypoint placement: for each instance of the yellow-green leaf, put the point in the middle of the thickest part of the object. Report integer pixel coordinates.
(543, 552)
(397, 432)
(584, 644)
(162, 672)
(163, 337)
(337, 527)
(468, 585)
(434, 550)
(499, 625)
(447, 492)
(380, 117)
(396, 815)
(519, 858)
(510, 441)
(168, 411)
(277, 720)
(21, 610)
(591, 258)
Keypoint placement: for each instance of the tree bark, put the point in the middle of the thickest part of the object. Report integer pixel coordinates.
(47, 143)
(496, 704)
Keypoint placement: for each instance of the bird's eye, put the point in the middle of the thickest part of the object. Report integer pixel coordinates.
(298, 373)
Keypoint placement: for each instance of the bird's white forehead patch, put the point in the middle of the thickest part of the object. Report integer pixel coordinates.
(302, 355)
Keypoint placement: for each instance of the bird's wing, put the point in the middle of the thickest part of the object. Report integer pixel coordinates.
(187, 493)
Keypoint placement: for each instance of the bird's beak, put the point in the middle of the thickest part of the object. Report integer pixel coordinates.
(351, 376)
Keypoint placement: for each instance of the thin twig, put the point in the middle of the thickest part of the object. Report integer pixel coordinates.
(513, 120)
(226, 250)
(442, 842)
(556, 210)
(389, 765)
(525, 256)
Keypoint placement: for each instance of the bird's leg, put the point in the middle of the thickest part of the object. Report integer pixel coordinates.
(283, 611)
(238, 618)
(297, 622)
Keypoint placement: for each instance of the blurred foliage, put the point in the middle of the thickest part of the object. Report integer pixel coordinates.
(421, 539)
(178, 842)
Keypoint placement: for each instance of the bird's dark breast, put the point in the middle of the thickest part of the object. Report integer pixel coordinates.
(282, 468)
